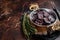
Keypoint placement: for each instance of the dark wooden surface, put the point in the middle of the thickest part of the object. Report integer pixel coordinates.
(10, 28)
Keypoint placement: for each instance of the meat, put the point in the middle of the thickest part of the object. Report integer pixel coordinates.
(42, 17)
(51, 18)
(46, 14)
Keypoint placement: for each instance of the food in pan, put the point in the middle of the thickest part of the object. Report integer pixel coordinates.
(43, 17)
(38, 22)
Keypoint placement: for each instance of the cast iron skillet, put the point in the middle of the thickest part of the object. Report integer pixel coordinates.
(52, 36)
(51, 11)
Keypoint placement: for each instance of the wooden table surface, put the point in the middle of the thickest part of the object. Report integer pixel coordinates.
(10, 28)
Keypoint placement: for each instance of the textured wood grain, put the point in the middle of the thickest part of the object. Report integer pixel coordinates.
(10, 14)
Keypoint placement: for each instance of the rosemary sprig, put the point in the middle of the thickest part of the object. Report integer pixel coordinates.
(23, 27)
(27, 28)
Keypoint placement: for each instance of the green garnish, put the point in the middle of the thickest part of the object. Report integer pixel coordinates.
(27, 28)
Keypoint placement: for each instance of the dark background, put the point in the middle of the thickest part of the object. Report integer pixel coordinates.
(10, 28)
